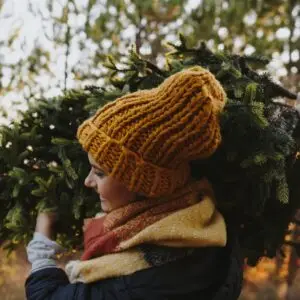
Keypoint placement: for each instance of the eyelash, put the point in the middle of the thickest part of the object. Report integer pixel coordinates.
(100, 174)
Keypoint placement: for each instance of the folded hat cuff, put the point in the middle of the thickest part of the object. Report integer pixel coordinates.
(128, 167)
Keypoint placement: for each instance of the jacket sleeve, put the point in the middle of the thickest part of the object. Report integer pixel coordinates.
(53, 284)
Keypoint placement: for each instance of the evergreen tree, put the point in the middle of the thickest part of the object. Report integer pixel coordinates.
(42, 167)
(254, 172)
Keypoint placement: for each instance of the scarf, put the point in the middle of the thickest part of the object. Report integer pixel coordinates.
(115, 243)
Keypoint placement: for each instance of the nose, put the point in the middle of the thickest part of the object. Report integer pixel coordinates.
(88, 182)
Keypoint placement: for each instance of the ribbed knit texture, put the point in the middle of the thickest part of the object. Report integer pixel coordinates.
(114, 244)
(146, 139)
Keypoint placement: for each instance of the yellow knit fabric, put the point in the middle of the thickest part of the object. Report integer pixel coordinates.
(199, 225)
(108, 266)
(146, 139)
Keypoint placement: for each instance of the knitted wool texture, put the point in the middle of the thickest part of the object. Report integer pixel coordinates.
(146, 139)
(114, 243)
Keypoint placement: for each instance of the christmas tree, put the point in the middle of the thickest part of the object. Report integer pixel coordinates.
(40, 166)
(254, 173)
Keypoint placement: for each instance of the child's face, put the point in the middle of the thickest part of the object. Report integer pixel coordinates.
(112, 194)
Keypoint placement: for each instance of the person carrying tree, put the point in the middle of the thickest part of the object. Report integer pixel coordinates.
(159, 235)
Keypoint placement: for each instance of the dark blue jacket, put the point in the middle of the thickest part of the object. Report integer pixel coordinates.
(208, 274)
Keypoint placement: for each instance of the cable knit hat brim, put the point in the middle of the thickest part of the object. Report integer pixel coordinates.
(128, 167)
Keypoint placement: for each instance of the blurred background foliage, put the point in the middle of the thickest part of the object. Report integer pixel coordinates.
(53, 45)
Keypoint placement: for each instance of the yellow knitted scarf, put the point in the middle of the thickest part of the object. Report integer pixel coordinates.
(199, 224)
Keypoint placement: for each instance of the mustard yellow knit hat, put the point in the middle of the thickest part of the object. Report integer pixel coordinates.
(146, 139)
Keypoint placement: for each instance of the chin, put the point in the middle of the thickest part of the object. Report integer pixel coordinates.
(104, 208)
